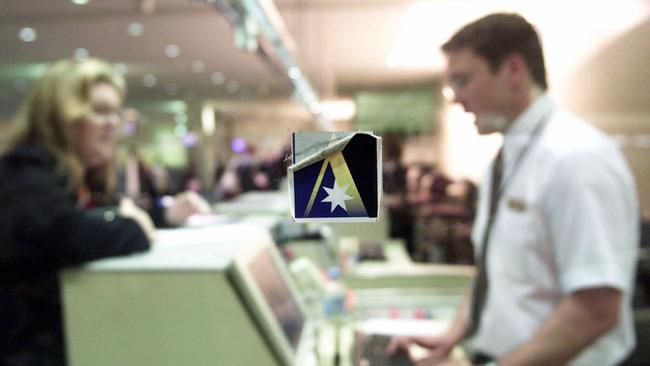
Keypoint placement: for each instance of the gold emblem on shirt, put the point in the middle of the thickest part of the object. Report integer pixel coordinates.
(516, 204)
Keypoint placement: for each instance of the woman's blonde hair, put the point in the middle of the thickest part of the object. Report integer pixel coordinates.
(47, 116)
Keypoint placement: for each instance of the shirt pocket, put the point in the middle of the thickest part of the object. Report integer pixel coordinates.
(513, 243)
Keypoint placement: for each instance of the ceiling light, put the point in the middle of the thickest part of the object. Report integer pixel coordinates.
(391, 61)
(339, 110)
(136, 29)
(79, 2)
(315, 107)
(149, 80)
(80, 54)
(448, 93)
(180, 118)
(120, 68)
(294, 73)
(180, 130)
(27, 34)
(198, 66)
(207, 120)
(172, 51)
(218, 78)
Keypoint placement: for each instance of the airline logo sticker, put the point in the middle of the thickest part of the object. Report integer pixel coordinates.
(341, 184)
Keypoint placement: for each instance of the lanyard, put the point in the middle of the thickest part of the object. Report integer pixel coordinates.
(479, 291)
(534, 137)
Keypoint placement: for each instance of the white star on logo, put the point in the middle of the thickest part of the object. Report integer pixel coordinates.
(337, 196)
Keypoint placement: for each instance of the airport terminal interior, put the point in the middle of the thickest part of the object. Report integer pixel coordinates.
(218, 91)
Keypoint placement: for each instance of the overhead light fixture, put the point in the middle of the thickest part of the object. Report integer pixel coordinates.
(149, 80)
(79, 2)
(80, 54)
(218, 78)
(339, 110)
(180, 130)
(180, 118)
(294, 73)
(172, 51)
(135, 29)
(207, 120)
(315, 107)
(120, 68)
(198, 66)
(448, 93)
(27, 34)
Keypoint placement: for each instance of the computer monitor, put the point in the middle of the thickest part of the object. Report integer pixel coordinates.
(272, 298)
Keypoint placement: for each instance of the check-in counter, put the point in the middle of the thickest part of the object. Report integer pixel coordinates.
(415, 275)
(178, 304)
(256, 203)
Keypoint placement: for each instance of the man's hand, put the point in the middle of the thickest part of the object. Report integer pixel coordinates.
(438, 348)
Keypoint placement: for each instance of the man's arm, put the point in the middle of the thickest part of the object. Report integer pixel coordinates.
(578, 321)
(440, 345)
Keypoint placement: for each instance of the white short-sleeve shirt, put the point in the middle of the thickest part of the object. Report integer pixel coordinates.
(568, 219)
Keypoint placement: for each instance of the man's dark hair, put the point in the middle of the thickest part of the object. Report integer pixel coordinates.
(497, 36)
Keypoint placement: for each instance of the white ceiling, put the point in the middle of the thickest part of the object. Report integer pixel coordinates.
(341, 44)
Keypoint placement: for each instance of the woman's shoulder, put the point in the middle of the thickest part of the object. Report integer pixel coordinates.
(29, 166)
(25, 155)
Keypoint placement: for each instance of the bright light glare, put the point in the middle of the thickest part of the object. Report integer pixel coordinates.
(135, 29)
(198, 66)
(172, 51)
(207, 120)
(339, 110)
(218, 78)
(149, 80)
(426, 25)
(294, 73)
(80, 54)
(120, 68)
(27, 34)
(466, 152)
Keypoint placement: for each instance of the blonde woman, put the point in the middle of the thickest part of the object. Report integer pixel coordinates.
(59, 146)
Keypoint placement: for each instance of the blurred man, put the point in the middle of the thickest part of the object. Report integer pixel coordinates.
(556, 232)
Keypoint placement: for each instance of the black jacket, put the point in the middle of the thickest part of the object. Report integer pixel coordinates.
(41, 231)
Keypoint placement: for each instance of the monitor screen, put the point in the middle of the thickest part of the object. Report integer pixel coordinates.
(281, 300)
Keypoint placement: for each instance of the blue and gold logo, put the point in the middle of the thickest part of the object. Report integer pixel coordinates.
(343, 183)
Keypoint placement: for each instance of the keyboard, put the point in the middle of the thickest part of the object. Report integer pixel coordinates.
(371, 251)
(371, 351)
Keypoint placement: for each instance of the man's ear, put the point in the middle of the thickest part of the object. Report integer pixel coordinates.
(517, 69)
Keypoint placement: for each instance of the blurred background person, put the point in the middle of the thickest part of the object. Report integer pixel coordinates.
(246, 171)
(59, 148)
(150, 188)
(395, 193)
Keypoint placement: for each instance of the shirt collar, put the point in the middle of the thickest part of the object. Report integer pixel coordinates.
(532, 116)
